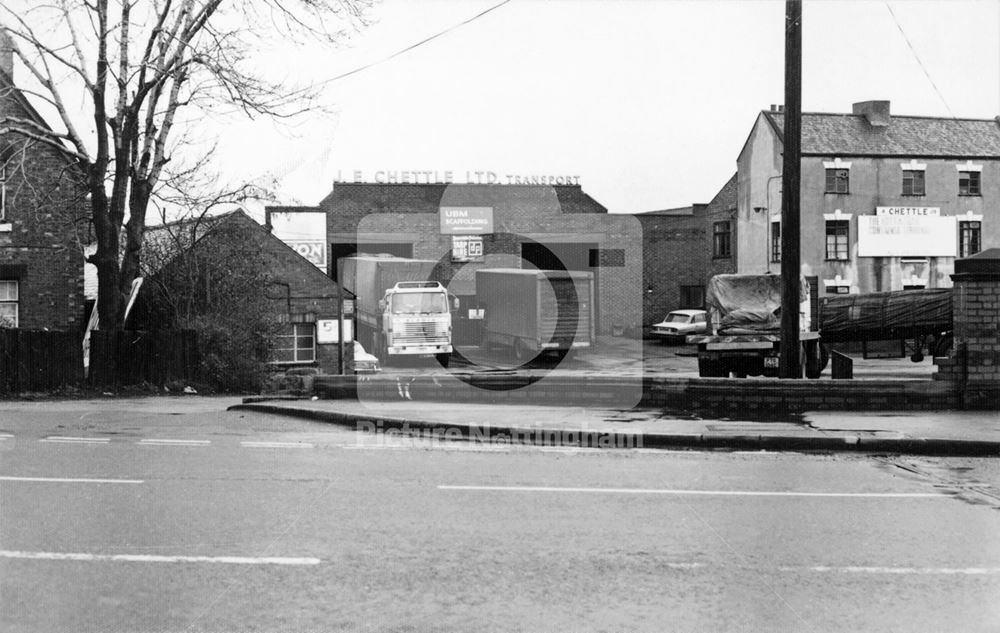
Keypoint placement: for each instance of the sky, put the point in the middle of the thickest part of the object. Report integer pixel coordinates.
(647, 102)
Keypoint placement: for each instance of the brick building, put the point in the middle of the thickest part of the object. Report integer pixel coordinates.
(888, 202)
(680, 252)
(300, 295)
(468, 227)
(43, 221)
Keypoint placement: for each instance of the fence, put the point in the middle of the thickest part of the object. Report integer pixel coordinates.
(129, 357)
(36, 360)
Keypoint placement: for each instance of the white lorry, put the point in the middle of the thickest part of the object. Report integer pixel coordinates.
(745, 329)
(399, 311)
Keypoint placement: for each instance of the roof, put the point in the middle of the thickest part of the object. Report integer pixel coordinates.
(725, 200)
(852, 135)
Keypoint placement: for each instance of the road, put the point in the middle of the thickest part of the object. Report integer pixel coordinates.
(142, 517)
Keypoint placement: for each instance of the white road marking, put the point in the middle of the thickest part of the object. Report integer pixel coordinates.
(74, 480)
(250, 444)
(166, 442)
(971, 571)
(76, 440)
(147, 558)
(727, 493)
(5, 436)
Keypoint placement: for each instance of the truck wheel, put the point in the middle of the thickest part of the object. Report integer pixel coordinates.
(813, 360)
(709, 368)
(443, 359)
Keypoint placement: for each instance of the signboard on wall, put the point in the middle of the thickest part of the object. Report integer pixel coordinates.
(326, 331)
(466, 248)
(906, 232)
(466, 220)
(304, 231)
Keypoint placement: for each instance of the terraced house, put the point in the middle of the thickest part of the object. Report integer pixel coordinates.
(888, 202)
(43, 220)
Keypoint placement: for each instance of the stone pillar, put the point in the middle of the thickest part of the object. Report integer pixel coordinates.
(974, 364)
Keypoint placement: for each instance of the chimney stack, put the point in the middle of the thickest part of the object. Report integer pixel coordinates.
(877, 112)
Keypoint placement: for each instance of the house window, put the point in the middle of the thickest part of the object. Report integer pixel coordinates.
(8, 303)
(913, 182)
(775, 241)
(969, 238)
(837, 232)
(968, 183)
(722, 239)
(838, 180)
(693, 297)
(296, 344)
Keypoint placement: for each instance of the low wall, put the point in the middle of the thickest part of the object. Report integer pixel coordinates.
(747, 398)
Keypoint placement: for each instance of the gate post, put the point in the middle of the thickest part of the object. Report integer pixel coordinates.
(974, 364)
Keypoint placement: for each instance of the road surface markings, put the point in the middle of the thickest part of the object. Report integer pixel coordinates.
(74, 480)
(148, 558)
(249, 444)
(76, 440)
(5, 436)
(166, 442)
(730, 493)
(970, 571)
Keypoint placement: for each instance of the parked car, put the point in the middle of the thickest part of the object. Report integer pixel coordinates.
(363, 362)
(680, 323)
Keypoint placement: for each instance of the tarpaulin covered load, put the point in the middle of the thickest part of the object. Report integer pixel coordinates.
(748, 302)
(886, 315)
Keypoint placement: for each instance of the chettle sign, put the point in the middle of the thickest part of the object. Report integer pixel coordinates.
(466, 220)
(906, 232)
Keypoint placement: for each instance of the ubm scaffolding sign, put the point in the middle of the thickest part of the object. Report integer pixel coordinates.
(906, 232)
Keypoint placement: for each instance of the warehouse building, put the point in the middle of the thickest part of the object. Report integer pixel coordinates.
(467, 227)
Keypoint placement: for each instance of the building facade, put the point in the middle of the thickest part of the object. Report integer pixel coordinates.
(468, 227)
(682, 248)
(887, 202)
(43, 221)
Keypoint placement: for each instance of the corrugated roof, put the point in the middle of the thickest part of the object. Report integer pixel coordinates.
(851, 135)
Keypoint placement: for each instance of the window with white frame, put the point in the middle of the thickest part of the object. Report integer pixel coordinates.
(970, 237)
(837, 244)
(8, 303)
(296, 343)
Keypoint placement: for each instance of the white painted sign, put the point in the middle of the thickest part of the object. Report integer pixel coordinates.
(466, 220)
(904, 235)
(908, 210)
(466, 248)
(304, 231)
(326, 331)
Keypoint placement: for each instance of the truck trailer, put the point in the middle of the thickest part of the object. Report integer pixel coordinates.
(399, 310)
(536, 311)
(745, 328)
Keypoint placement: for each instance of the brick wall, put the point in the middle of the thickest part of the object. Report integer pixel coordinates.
(975, 360)
(45, 226)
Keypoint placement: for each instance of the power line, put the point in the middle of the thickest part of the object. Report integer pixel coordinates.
(412, 46)
(920, 63)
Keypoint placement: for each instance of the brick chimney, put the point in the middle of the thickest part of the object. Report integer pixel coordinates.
(6, 53)
(877, 112)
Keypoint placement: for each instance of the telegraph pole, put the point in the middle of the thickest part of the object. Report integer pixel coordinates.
(789, 366)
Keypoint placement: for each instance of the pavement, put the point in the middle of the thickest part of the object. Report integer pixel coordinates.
(951, 433)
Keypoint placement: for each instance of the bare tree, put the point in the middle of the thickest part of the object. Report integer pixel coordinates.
(135, 67)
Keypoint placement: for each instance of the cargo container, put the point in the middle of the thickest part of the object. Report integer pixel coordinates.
(533, 311)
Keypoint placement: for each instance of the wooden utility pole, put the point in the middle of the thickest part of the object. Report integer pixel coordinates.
(789, 366)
